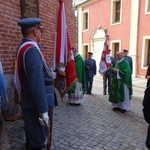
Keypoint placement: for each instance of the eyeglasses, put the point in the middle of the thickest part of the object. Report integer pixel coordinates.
(40, 28)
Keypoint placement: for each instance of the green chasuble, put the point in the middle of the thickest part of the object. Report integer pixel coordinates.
(117, 94)
(80, 71)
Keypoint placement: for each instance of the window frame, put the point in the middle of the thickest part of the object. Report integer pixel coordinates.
(145, 52)
(147, 7)
(113, 12)
(84, 13)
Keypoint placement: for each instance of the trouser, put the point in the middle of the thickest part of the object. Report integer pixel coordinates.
(148, 138)
(35, 133)
(89, 84)
(28, 147)
(106, 83)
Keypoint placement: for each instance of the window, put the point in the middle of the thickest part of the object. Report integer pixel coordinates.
(116, 11)
(85, 20)
(147, 7)
(146, 51)
(85, 51)
(115, 46)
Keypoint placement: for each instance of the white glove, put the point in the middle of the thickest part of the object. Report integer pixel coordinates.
(54, 75)
(44, 119)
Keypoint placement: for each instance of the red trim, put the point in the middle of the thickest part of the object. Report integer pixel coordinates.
(21, 52)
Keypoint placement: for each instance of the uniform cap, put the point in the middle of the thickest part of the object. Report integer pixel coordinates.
(29, 22)
(125, 50)
(90, 53)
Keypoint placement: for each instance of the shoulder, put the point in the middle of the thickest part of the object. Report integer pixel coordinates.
(33, 49)
(129, 57)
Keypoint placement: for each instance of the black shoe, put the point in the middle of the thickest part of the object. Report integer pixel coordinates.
(72, 104)
(123, 110)
(116, 109)
(77, 104)
(88, 92)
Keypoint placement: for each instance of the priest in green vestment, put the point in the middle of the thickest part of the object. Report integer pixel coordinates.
(121, 87)
(75, 95)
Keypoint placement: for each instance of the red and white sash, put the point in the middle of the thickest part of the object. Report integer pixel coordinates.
(21, 53)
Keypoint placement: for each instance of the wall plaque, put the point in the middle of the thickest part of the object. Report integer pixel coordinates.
(29, 8)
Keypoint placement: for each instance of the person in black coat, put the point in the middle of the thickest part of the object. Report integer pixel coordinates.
(146, 113)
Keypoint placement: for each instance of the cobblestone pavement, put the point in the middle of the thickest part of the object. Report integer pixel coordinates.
(91, 126)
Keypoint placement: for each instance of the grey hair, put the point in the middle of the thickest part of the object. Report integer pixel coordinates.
(120, 53)
(74, 49)
(26, 31)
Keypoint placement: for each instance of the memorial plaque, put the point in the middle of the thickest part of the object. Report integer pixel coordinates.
(29, 8)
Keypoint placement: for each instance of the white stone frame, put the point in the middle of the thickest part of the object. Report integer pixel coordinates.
(144, 52)
(146, 7)
(86, 11)
(112, 13)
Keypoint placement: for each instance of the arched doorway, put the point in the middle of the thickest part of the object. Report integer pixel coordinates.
(97, 39)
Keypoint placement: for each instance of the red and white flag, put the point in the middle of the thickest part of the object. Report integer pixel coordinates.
(65, 66)
(105, 61)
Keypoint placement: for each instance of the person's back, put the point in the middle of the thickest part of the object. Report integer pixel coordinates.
(146, 113)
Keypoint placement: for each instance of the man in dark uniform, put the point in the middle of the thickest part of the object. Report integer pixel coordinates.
(90, 71)
(36, 90)
(107, 77)
(128, 58)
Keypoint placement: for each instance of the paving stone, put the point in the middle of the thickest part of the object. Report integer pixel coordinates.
(91, 126)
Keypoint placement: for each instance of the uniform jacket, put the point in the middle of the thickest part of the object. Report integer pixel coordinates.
(36, 90)
(90, 67)
(129, 59)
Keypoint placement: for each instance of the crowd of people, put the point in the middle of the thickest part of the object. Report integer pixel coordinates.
(35, 84)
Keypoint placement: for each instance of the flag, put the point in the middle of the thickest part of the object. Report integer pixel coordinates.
(65, 66)
(105, 61)
(3, 89)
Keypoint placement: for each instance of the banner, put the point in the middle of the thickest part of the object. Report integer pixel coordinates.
(3, 89)
(105, 61)
(65, 66)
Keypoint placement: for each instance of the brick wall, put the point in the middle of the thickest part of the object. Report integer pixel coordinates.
(10, 35)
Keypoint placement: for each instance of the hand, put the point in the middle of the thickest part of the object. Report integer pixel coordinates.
(54, 75)
(44, 119)
(148, 77)
(115, 70)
